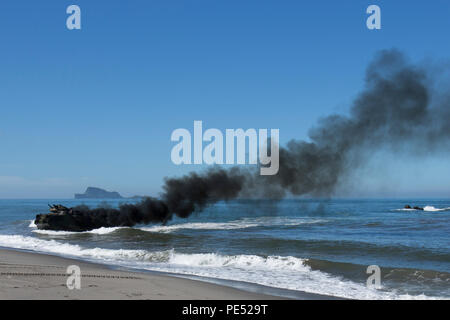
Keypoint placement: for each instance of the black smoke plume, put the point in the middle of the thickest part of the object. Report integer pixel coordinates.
(393, 111)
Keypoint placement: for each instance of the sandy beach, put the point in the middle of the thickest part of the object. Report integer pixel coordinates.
(28, 275)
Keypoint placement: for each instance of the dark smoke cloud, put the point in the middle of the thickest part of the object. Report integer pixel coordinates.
(146, 211)
(393, 111)
(194, 191)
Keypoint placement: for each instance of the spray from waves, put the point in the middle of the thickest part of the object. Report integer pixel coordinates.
(236, 224)
(399, 110)
(243, 223)
(433, 209)
(276, 271)
(426, 208)
(99, 231)
(66, 249)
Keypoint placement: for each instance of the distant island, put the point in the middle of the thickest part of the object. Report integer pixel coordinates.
(97, 193)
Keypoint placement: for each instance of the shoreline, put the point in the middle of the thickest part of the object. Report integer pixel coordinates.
(30, 275)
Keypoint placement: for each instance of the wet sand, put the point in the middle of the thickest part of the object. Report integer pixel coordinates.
(28, 275)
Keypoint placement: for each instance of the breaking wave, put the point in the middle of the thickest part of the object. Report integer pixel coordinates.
(231, 225)
(236, 224)
(426, 208)
(102, 230)
(431, 208)
(285, 272)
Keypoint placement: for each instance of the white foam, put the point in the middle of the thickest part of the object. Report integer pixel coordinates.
(276, 271)
(53, 232)
(195, 225)
(433, 209)
(66, 249)
(100, 231)
(426, 208)
(236, 224)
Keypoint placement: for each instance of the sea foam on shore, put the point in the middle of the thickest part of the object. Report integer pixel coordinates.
(275, 271)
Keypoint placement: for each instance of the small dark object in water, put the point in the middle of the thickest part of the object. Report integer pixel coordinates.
(415, 208)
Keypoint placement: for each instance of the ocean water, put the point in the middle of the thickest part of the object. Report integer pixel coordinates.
(317, 246)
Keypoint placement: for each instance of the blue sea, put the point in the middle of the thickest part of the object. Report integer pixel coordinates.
(316, 246)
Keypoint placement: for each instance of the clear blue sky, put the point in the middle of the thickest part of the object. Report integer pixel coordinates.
(97, 106)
